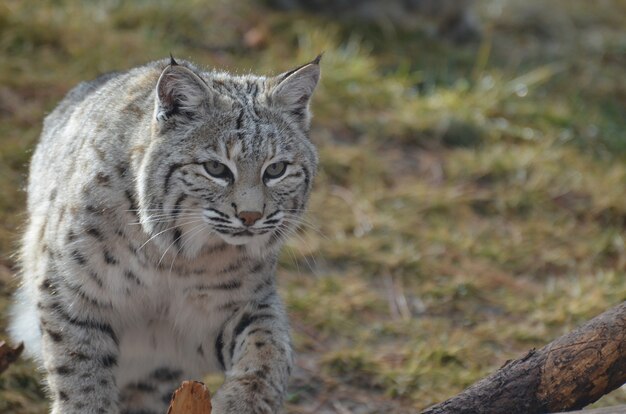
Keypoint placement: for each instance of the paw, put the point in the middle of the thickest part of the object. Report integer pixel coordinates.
(237, 398)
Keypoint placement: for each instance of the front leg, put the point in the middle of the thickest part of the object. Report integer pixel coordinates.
(79, 350)
(255, 349)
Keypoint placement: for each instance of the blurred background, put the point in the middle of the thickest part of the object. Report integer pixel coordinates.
(471, 202)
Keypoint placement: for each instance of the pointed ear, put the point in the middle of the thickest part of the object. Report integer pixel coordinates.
(180, 91)
(294, 89)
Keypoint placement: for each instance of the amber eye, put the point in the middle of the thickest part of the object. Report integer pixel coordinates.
(217, 170)
(275, 170)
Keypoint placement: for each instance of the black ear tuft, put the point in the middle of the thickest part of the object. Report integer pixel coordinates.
(173, 61)
(317, 60)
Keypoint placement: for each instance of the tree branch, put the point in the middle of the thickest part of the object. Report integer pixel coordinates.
(569, 373)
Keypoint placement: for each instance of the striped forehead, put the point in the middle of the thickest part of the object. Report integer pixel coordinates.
(251, 140)
(244, 91)
(253, 131)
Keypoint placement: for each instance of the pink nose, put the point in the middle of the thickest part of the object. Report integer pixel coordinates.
(249, 217)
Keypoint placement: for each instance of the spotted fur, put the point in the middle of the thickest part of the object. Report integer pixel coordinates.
(141, 266)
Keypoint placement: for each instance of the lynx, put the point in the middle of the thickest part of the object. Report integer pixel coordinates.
(158, 200)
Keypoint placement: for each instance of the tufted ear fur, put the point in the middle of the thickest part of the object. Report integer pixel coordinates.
(180, 91)
(294, 89)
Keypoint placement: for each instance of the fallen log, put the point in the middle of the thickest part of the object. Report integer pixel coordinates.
(568, 374)
(192, 397)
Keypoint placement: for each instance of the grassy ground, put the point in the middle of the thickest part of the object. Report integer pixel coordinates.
(471, 202)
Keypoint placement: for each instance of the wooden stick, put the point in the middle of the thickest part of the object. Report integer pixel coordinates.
(569, 373)
(192, 397)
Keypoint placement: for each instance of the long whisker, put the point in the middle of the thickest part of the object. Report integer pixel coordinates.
(296, 222)
(298, 217)
(292, 220)
(159, 209)
(161, 213)
(175, 240)
(156, 235)
(191, 234)
(164, 219)
(161, 232)
(282, 234)
(303, 241)
(286, 233)
(178, 214)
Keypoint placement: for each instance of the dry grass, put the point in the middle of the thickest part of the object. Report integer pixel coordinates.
(471, 202)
